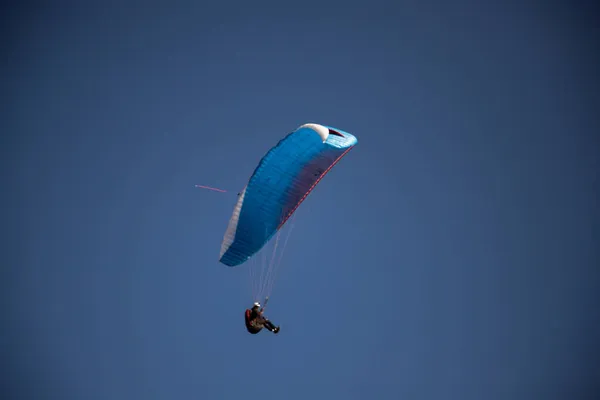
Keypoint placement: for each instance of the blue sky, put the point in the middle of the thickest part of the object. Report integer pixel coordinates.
(452, 255)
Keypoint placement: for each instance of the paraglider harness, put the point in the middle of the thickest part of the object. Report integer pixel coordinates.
(250, 319)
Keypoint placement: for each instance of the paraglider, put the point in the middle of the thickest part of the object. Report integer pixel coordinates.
(255, 320)
(283, 179)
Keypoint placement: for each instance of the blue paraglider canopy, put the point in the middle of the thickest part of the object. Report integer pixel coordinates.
(283, 179)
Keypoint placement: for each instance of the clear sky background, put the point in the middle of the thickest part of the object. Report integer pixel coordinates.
(453, 254)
